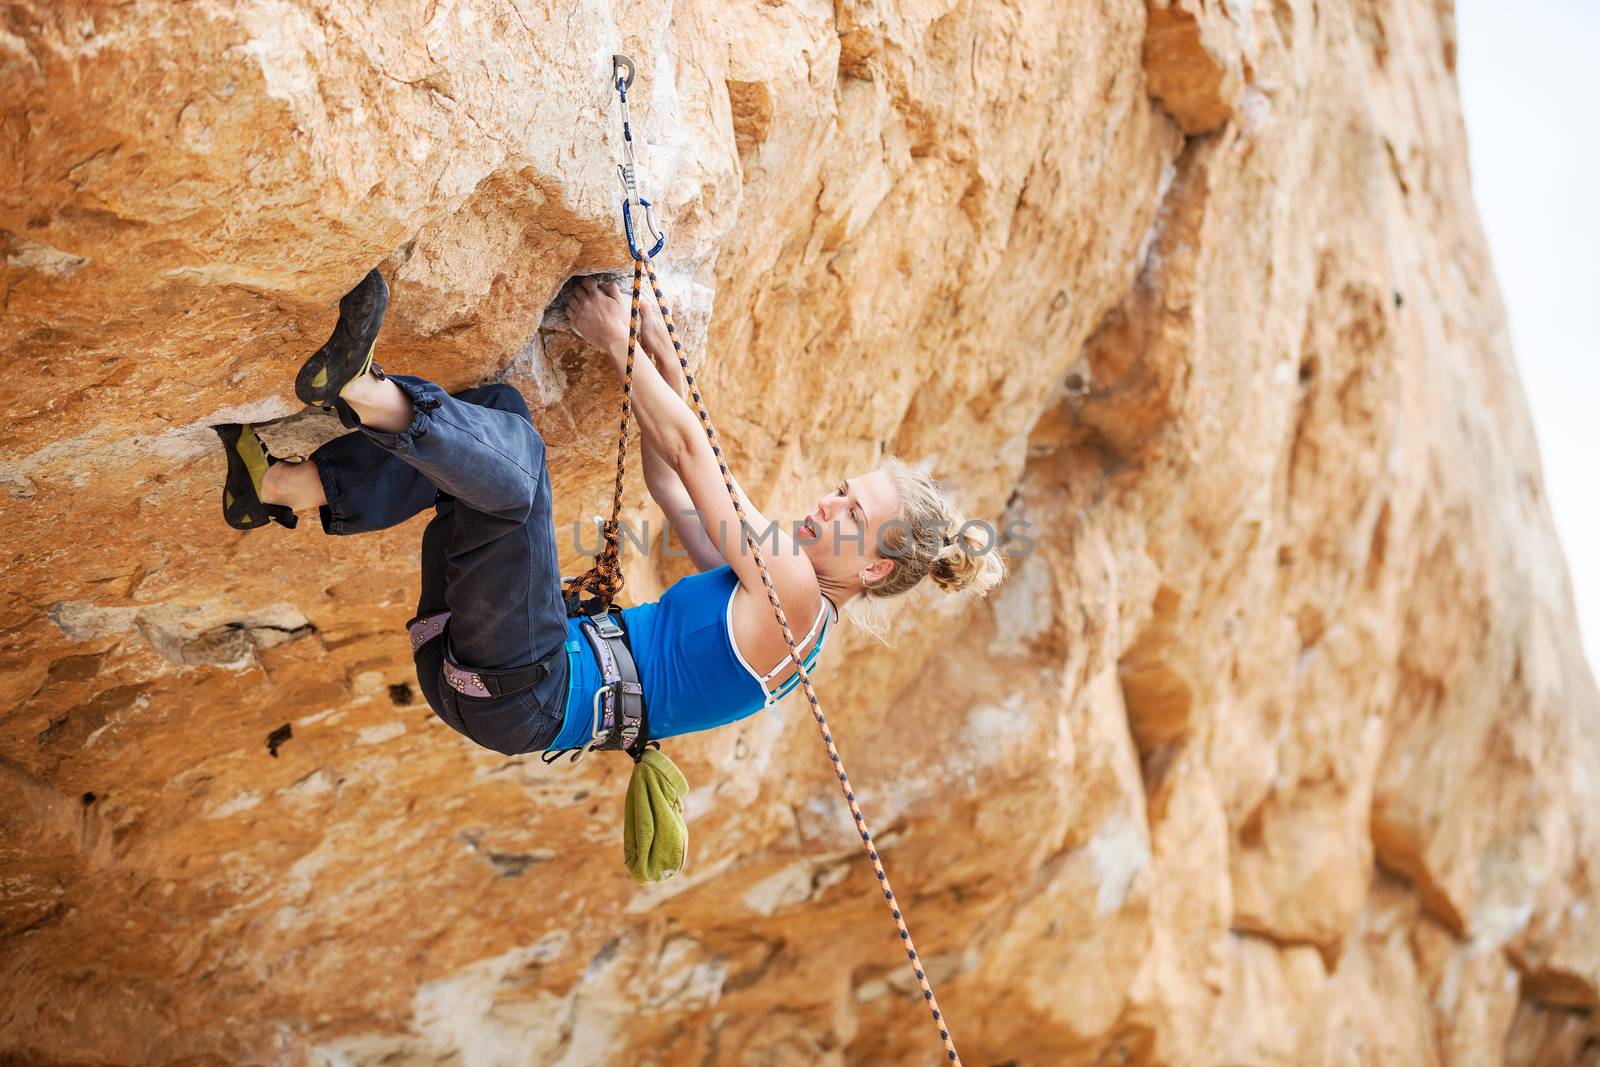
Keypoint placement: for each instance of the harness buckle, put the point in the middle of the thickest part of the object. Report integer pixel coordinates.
(606, 625)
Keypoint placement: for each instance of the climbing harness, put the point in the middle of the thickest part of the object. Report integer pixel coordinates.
(604, 580)
(619, 720)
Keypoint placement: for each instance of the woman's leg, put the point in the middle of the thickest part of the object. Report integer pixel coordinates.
(379, 403)
(503, 582)
(294, 485)
(487, 456)
(360, 487)
(499, 580)
(522, 722)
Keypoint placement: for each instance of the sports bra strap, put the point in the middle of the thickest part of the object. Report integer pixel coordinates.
(793, 681)
(822, 621)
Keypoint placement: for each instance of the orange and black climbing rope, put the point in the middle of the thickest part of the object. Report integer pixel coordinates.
(604, 579)
(593, 591)
(805, 681)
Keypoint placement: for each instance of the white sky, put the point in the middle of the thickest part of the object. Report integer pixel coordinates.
(1529, 89)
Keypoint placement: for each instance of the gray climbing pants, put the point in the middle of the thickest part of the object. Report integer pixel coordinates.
(488, 553)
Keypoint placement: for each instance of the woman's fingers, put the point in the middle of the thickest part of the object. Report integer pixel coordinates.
(596, 297)
(596, 314)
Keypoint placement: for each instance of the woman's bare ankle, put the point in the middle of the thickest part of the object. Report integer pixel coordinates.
(272, 483)
(379, 403)
(297, 486)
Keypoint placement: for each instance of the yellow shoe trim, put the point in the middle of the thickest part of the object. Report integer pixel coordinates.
(254, 456)
(365, 367)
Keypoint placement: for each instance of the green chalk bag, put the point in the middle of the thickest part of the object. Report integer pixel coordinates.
(655, 839)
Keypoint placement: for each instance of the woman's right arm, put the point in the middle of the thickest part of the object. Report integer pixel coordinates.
(666, 488)
(600, 317)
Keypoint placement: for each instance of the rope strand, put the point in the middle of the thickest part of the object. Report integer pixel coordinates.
(604, 580)
(794, 654)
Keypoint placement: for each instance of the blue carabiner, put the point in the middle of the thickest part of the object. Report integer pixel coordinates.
(633, 244)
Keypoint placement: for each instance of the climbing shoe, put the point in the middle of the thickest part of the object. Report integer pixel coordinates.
(348, 353)
(248, 460)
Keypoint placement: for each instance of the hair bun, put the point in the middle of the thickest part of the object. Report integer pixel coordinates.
(932, 539)
(967, 563)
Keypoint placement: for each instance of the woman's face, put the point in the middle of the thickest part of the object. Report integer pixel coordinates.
(840, 534)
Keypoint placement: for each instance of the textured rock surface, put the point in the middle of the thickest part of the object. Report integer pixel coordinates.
(1278, 749)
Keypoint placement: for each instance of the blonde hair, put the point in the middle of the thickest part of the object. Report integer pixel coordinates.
(930, 538)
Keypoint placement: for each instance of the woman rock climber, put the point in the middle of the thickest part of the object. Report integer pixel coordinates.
(709, 652)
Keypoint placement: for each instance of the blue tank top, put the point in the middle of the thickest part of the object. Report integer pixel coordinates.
(693, 675)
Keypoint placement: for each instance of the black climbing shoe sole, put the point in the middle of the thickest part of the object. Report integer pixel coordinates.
(248, 460)
(348, 353)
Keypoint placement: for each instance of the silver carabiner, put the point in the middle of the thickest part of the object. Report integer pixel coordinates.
(596, 731)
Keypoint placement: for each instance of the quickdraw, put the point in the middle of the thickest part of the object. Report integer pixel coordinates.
(604, 580)
(623, 70)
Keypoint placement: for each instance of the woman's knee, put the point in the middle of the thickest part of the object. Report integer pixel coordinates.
(503, 397)
(510, 500)
(510, 487)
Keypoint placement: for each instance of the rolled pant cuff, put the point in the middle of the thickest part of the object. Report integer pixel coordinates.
(425, 399)
(332, 512)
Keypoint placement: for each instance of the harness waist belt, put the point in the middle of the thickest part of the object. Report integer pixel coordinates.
(619, 719)
(619, 714)
(474, 681)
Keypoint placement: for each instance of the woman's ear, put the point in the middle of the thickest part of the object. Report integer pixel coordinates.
(876, 571)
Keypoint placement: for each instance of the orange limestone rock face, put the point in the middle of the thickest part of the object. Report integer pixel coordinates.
(1276, 747)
